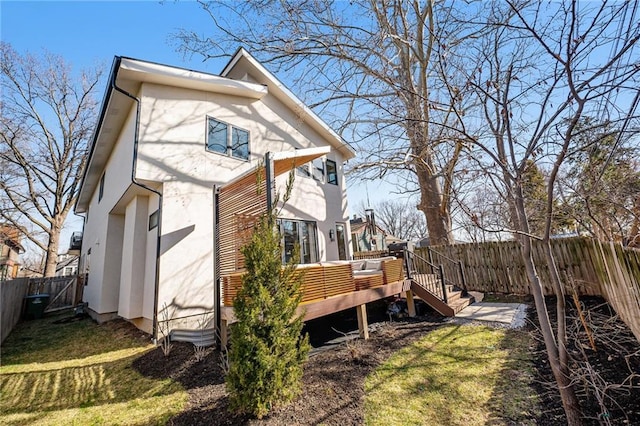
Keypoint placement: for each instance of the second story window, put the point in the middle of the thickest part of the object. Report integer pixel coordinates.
(226, 139)
(101, 188)
(332, 172)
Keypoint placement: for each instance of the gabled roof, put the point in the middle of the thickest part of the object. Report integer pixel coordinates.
(258, 72)
(357, 227)
(127, 75)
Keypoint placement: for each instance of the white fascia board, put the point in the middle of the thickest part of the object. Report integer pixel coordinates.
(180, 77)
(285, 155)
(292, 101)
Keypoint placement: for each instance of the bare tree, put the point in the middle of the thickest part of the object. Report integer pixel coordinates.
(369, 67)
(541, 70)
(46, 118)
(401, 219)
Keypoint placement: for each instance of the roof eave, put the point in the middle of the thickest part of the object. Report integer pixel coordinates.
(292, 101)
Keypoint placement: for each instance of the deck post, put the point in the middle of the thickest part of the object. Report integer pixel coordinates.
(411, 304)
(363, 324)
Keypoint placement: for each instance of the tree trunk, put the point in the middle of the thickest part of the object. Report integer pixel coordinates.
(52, 252)
(431, 204)
(556, 351)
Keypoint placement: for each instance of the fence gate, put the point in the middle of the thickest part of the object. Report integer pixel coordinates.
(64, 292)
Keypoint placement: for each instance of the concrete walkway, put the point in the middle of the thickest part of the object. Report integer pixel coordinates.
(510, 314)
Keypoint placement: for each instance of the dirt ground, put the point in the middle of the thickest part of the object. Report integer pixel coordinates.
(333, 388)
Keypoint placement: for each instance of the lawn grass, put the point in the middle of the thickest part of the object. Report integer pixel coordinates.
(455, 375)
(80, 373)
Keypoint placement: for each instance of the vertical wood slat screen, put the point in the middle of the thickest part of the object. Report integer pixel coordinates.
(240, 206)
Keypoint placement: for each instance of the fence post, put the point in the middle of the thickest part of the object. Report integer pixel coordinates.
(442, 283)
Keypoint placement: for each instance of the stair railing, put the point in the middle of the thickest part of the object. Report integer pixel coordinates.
(428, 275)
(452, 264)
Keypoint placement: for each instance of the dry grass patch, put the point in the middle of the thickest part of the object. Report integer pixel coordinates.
(456, 375)
(80, 373)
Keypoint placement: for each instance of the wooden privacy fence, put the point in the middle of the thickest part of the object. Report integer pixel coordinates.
(589, 266)
(370, 254)
(64, 292)
(12, 294)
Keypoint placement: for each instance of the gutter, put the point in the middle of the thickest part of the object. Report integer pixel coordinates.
(113, 85)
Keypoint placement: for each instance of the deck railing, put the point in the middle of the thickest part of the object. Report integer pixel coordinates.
(428, 275)
(453, 270)
(323, 280)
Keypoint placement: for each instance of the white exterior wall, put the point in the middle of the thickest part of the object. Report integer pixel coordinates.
(172, 157)
(187, 263)
(103, 230)
(322, 202)
(132, 271)
(172, 149)
(150, 262)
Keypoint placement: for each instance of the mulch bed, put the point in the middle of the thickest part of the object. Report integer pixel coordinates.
(615, 366)
(333, 382)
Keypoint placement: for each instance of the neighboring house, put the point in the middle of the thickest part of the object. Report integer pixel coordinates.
(169, 144)
(10, 249)
(367, 237)
(67, 265)
(422, 242)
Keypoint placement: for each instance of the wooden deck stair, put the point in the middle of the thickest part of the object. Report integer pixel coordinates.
(455, 300)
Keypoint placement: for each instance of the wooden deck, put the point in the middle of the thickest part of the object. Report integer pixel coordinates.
(327, 288)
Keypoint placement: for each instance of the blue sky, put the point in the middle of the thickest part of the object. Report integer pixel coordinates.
(87, 33)
(91, 33)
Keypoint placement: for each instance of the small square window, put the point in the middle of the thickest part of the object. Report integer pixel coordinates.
(332, 172)
(153, 220)
(101, 189)
(303, 170)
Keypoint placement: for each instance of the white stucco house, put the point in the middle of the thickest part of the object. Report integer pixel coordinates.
(168, 140)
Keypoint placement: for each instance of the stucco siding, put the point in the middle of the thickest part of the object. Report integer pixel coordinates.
(117, 178)
(186, 266)
(150, 262)
(133, 258)
(324, 203)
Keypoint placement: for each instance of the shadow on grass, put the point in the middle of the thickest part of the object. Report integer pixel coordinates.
(53, 339)
(452, 376)
(513, 397)
(77, 387)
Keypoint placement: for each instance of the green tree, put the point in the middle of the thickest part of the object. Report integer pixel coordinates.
(602, 183)
(267, 347)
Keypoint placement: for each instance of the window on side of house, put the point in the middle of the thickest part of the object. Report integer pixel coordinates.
(304, 234)
(332, 172)
(101, 188)
(317, 169)
(153, 220)
(227, 140)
